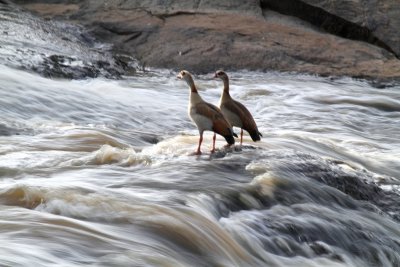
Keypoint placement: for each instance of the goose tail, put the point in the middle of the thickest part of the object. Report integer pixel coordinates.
(255, 135)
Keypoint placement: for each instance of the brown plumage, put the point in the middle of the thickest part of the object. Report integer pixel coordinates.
(219, 123)
(206, 116)
(236, 113)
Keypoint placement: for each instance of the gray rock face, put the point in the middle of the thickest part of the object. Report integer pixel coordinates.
(52, 48)
(333, 23)
(382, 18)
(203, 35)
(169, 7)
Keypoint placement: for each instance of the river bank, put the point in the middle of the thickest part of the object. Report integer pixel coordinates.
(201, 36)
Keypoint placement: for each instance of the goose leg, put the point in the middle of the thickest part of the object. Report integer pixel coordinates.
(198, 152)
(213, 147)
(241, 136)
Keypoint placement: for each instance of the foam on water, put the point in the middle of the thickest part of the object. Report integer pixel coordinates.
(109, 163)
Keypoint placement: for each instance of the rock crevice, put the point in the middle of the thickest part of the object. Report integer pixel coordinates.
(330, 23)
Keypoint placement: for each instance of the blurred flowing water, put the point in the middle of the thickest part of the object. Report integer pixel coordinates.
(98, 172)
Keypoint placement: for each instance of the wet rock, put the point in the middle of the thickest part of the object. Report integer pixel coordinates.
(302, 178)
(150, 138)
(55, 49)
(356, 184)
(7, 130)
(303, 205)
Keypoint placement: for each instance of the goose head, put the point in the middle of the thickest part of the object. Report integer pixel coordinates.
(187, 77)
(184, 75)
(220, 74)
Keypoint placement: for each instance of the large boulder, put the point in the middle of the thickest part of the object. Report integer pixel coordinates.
(381, 17)
(375, 22)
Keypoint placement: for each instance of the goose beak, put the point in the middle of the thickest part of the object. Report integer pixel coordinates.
(215, 75)
(179, 76)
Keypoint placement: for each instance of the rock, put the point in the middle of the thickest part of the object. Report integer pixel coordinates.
(173, 7)
(202, 36)
(381, 18)
(52, 48)
(349, 19)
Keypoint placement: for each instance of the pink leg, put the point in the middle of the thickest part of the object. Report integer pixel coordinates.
(213, 147)
(241, 136)
(198, 152)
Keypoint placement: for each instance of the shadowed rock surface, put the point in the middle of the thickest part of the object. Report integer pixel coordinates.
(381, 18)
(367, 21)
(347, 38)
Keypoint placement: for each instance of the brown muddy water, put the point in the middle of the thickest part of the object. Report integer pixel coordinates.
(98, 172)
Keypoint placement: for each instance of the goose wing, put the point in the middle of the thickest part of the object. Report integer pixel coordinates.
(219, 124)
(243, 113)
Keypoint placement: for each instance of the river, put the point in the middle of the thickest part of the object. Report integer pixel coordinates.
(99, 172)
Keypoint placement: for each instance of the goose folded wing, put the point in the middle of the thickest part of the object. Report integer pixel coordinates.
(220, 124)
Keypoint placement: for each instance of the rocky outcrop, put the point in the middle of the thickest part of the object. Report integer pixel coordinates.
(53, 48)
(348, 19)
(380, 18)
(203, 35)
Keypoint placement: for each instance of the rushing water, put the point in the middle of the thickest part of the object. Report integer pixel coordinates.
(99, 173)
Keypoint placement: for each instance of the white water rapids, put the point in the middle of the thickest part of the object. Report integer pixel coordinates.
(98, 172)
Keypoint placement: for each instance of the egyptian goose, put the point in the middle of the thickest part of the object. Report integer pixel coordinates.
(206, 116)
(236, 113)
